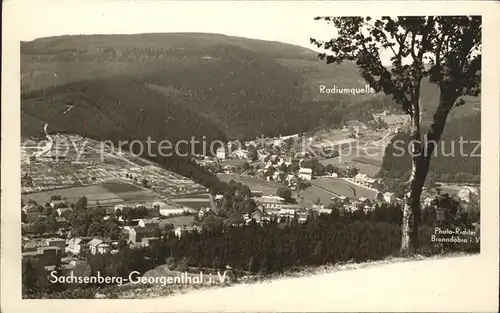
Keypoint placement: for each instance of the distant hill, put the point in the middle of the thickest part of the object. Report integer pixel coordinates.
(245, 87)
(73, 58)
(179, 41)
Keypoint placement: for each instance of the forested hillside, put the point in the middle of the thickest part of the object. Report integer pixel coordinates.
(114, 109)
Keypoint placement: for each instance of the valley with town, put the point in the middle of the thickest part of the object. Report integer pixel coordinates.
(295, 179)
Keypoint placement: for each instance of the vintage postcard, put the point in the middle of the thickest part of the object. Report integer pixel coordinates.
(250, 156)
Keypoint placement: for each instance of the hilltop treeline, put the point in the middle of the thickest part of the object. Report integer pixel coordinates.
(450, 163)
(152, 43)
(135, 54)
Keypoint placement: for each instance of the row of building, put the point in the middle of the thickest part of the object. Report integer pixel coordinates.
(140, 233)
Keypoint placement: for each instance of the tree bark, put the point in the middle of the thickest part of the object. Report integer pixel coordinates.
(420, 166)
(411, 207)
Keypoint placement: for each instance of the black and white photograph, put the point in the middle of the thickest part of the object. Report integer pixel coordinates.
(247, 156)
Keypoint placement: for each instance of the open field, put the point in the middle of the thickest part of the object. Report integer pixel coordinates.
(304, 197)
(197, 205)
(447, 284)
(195, 197)
(93, 193)
(368, 167)
(343, 188)
(89, 162)
(309, 196)
(324, 190)
(365, 153)
(177, 221)
(194, 201)
(254, 183)
(120, 187)
(320, 189)
(108, 193)
(369, 161)
(140, 195)
(129, 192)
(366, 157)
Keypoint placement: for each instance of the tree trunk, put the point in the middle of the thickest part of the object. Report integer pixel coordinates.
(411, 208)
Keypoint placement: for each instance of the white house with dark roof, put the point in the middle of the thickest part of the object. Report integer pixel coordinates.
(289, 209)
(468, 194)
(324, 210)
(305, 173)
(77, 245)
(56, 242)
(58, 203)
(149, 222)
(270, 203)
(182, 229)
(389, 197)
(60, 211)
(98, 246)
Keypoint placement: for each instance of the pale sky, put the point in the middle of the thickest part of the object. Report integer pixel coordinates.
(289, 22)
(284, 21)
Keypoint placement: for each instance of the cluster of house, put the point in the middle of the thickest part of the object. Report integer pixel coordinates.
(468, 194)
(355, 128)
(33, 213)
(367, 204)
(394, 122)
(156, 208)
(274, 207)
(140, 233)
(47, 251)
(271, 207)
(235, 150)
(54, 158)
(178, 231)
(271, 169)
(239, 153)
(278, 141)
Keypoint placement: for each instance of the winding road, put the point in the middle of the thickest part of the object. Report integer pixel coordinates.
(48, 146)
